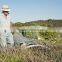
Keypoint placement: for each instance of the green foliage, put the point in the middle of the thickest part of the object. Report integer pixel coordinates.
(50, 37)
(31, 34)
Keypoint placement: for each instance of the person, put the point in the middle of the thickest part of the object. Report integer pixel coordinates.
(6, 36)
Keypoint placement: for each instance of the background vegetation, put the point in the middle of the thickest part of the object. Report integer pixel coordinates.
(49, 38)
(48, 23)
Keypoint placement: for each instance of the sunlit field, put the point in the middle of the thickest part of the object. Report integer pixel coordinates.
(53, 54)
(50, 38)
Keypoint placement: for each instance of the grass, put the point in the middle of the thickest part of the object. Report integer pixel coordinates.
(53, 54)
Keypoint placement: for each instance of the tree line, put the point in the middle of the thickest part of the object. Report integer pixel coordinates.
(47, 23)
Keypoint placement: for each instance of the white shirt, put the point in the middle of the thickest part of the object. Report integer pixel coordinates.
(5, 23)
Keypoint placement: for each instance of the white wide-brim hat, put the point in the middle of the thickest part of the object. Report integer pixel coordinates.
(5, 8)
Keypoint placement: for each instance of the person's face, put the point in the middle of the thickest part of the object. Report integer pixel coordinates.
(5, 13)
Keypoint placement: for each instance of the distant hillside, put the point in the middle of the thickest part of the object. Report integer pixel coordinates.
(48, 23)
